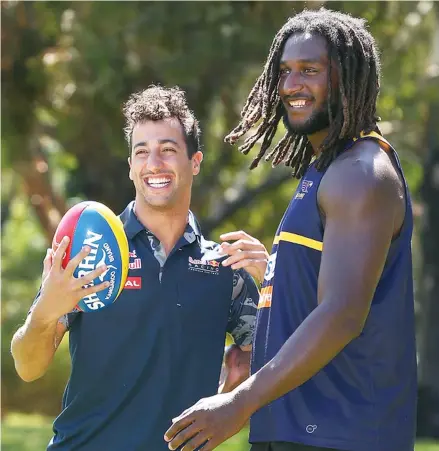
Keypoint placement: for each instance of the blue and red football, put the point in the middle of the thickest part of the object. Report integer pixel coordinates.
(95, 225)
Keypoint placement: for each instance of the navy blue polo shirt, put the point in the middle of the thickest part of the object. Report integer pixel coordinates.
(157, 350)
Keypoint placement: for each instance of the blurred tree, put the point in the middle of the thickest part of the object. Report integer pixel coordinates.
(25, 37)
(428, 422)
(68, 66)
(428, 418)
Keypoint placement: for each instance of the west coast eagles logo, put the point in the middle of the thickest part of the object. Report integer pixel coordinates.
(304, 188)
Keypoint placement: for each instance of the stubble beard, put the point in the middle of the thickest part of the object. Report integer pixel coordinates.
(319, 120)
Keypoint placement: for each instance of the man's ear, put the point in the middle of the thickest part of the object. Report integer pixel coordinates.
(130, 173)
(197, 158)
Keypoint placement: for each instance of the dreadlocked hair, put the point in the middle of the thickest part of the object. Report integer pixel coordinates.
(353, 51)
(157, 103)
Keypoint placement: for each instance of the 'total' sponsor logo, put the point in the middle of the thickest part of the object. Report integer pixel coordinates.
(133, 283)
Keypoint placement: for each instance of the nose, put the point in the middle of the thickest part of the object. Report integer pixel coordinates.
(155, 161)
(291, 83)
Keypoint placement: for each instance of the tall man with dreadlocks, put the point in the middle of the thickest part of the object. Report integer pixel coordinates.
(334, 362)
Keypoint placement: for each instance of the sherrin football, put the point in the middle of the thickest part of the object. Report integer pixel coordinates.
(95, 225)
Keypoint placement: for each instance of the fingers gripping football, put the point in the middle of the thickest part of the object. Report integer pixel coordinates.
(60, 290)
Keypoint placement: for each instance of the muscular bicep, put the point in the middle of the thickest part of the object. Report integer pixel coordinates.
(358, 233)
(352, 261)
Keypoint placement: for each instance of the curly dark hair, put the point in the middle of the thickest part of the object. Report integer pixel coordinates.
(353, 49)
(157, 103)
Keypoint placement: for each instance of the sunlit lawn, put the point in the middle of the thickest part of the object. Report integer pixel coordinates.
(32, 432)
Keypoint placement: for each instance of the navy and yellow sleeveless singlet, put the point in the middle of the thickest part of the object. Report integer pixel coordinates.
(365, 398)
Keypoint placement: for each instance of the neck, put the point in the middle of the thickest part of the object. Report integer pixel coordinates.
(167, 225)
(316, 140)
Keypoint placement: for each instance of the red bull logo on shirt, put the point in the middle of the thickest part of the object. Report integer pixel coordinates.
(208, 266)
(137, 263)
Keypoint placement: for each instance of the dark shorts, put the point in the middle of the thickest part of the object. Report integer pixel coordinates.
(286, 446)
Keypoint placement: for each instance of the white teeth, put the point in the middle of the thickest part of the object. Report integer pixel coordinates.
(158, 182)
(297, 103)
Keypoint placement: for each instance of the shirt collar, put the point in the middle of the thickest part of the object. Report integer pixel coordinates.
(133, 226)
(193, 224)
(130, 222)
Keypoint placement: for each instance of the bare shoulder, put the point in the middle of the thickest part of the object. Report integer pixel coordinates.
(363, 180)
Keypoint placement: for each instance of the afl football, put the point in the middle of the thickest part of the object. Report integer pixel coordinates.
(95, 225)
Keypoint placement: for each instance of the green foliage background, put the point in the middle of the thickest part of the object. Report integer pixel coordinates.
(68, 66)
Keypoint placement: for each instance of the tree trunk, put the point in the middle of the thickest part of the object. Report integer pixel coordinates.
(47, 205)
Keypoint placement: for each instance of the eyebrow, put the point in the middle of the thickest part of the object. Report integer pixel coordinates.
(160, 141)
(306, 61)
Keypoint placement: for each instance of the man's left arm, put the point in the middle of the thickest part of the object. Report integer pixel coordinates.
(241, 325)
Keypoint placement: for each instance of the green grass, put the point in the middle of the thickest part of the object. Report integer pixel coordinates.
(25, 432)
(32, 433)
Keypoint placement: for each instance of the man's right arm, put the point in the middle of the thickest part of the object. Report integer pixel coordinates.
(34, 345)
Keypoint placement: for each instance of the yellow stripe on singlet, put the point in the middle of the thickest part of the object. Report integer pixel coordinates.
(299, 239)
(308, 242)
(376, 136)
